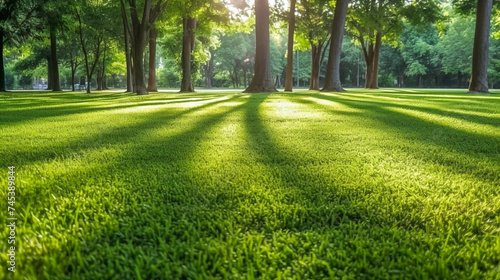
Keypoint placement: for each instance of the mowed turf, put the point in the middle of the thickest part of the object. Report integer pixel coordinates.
(387, 184)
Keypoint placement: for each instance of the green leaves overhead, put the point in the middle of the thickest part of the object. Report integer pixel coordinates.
(367, 17)
(313, 22)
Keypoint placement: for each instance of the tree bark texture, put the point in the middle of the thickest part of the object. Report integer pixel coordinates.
(289, 57)
(262, 80)
(188, 39)
(332, 78)
(152, 87)
(479, 75)
(56, 85)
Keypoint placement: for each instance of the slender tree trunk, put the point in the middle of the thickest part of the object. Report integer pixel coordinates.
(315, 65)
(128, 59)
(479, 77)
(2, 69)
(289, 57)
(209, 71)
(56, 85)
(332, 77)
(152, 87)
(245, 76)
(188, 24)
(50, 72)
(85, 53)
(73, 70)
(99, 80)
(376, 60)
(104, 86)
(262, 80)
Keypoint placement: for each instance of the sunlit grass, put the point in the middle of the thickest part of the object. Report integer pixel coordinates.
(386, 184)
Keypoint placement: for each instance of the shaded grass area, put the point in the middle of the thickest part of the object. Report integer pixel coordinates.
(388, 184)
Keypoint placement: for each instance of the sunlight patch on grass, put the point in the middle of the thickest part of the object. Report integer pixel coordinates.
(334, 105)
(310, 185)
(463, 125)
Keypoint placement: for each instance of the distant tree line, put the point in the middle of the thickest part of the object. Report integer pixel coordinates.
(143, 45)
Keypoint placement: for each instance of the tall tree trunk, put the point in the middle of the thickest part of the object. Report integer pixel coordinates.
(139, 79)
(2, 69)
(73, 70)
(289, 57)
(188, 25)
(316, 49)
(332, 78)
(152, 87)
(103, 77)
(479, 77)
(376, 60)
(85, 53)
(99, 81)
(262, 80)
(128, 59)
(139, 36)
(56, 85)
(245, 76)
(50, 72)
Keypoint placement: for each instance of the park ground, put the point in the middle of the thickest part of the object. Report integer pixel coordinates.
(381, 184)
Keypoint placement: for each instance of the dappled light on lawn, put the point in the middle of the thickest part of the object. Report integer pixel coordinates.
(228, 185)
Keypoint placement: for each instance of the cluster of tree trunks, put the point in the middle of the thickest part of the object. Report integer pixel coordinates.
(317, 54)
(371, 53)
(138, 29)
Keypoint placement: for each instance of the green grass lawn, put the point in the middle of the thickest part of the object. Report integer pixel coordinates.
(386, 184)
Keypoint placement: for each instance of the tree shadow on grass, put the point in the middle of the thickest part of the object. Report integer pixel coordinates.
(299, 185)
(169, 226)
(45, 110)
(161, 191)
(120, 135)
(472, 105)
(428, 134)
